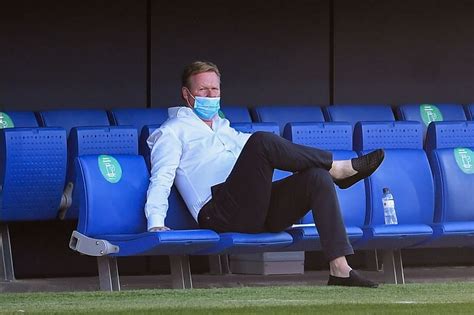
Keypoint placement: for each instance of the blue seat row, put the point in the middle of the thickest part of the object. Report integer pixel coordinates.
(121, 140)
(406, 171)
(185, 238)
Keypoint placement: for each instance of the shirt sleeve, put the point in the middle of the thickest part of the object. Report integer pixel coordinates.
(166, 150)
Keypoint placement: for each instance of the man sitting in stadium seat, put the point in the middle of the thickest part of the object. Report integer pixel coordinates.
(225, 176)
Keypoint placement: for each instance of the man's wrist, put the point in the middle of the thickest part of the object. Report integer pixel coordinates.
(155, 221)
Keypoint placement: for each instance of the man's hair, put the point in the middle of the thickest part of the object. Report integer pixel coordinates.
(197, 67)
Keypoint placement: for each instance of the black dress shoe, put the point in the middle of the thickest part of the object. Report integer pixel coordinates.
(365, 165)
(354, 280)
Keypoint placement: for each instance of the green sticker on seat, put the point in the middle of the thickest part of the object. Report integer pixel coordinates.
(464, 158)
(110, 168)
(430, 113)
(221, 114)
(5, 121)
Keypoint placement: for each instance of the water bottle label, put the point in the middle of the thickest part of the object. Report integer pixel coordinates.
(389, 204)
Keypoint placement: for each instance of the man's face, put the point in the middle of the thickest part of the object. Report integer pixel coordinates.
(206, 84)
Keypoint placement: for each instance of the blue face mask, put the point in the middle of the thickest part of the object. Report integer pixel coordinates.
(206, 107)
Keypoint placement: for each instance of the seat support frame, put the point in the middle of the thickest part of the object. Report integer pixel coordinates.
(108, 273)
(219, 265)
(393, 266)
(7, 272)
(180, 272)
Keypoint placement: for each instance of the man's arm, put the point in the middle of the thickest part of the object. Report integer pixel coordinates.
(165, 157)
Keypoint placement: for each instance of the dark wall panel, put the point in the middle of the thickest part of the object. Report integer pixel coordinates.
(404, 51)
(83, 53)
(268, 51)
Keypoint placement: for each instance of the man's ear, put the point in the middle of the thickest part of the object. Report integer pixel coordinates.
(185, 96)
(183, 93)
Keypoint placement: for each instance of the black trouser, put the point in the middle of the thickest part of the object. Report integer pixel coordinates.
(249, 202)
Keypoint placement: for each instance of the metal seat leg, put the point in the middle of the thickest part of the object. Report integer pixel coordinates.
(108, 273)
(181, 272)
(7, 272)
(393, 267)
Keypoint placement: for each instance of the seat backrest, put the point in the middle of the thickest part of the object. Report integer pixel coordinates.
(326, 136)
(405, 171)
(138, 117)
(426, 113)
(178, 216)
(449, 134)
(102, 140)
(93, 141)
(69, 118)
(249, 127)
(283, 114)
(236, 114)
(11, 119)
(452, 162)
(469, 111)
(354, 113)
(337, 138)
(32, 173)
(112, 194)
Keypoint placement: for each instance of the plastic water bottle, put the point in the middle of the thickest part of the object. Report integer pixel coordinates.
(389, 207)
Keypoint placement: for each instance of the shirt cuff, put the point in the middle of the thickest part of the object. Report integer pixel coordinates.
(156, 220)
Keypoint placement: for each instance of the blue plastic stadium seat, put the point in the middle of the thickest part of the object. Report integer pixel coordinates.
(138, 117)
(406, 172)
(69, 118)
(112, 192)
(12, 119)
(229, 243)
(469, 111)
(354, 113)
(285, 114)
(426, 113)
(337, 138)
(32, 173)
(452, 162)
(115, 210)
(93, 141)
(236, 114)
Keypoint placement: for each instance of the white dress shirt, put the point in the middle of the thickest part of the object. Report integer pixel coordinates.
(184, 150)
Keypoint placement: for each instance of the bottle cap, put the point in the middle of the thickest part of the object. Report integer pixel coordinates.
(386, 190)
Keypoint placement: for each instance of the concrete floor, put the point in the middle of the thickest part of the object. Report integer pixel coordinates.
(412, 275)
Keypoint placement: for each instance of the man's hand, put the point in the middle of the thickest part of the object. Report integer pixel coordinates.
(159, 229)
